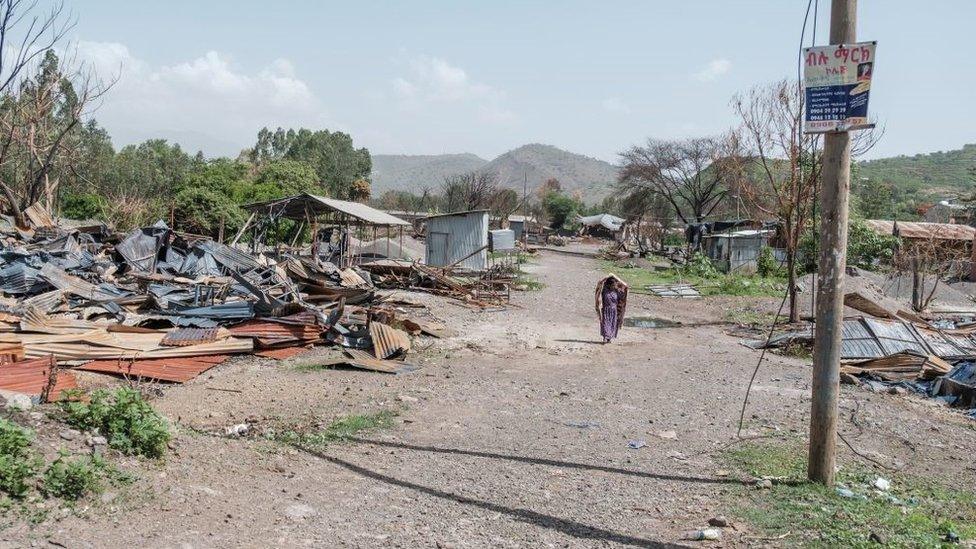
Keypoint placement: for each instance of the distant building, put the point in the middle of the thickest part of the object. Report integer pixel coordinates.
(947, 212)
(458, 237)
(738, 251)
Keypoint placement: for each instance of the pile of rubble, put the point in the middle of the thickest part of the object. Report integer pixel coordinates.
(901, 351)
(155, 304)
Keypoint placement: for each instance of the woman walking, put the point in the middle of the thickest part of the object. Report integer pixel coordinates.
(611, 302)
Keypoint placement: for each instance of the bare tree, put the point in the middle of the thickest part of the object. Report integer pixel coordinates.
(692, 175)
(469, 191)
(42, 104)
(778, 166)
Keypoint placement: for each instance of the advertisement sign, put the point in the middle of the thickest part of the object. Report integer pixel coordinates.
(837, 83)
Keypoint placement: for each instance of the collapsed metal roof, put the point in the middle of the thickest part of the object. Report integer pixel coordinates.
(303, 205)
(914, 229)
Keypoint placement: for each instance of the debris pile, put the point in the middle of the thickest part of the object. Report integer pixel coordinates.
(156, 304)
(898, 350)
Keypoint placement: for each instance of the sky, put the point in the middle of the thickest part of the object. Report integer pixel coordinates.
(432, 77)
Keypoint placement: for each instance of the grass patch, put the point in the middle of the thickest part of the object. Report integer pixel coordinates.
(339, 430)
(713, 284)
(123, 417)
(915, 512)
(796, 350)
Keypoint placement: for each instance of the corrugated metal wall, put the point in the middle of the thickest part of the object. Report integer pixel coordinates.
(451, 237)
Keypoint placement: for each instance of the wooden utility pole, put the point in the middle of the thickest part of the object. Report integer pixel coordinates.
(830, 275)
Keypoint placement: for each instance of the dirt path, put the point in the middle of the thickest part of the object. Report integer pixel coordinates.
(513, 434)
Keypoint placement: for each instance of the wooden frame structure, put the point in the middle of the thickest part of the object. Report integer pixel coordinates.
(317, 212)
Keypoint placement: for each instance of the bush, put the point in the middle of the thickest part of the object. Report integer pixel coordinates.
(129, 423)
(766, 264)
(82, 206)
(72, 479)
(18, 462)
(699, 265)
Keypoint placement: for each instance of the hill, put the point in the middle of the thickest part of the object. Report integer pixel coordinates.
(576, 172)
(923, 172)
(411, 172)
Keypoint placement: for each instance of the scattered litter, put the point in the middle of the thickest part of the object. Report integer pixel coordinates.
(881, 484)
(636, 444)
(674, 290)
(708, 534)
(582, 424)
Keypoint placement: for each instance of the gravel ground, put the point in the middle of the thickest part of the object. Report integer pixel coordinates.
(514, 433)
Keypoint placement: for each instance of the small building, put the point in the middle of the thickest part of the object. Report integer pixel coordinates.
(947, 212)
(946, 243)
(519, 223)
(738, 251)
(459, 237)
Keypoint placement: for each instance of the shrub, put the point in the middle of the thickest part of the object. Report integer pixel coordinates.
(82, 206)
(18, 462)
(129, 423)
(699, 265)
(72, 479)
(766, 264)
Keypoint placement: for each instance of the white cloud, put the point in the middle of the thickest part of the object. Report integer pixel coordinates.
(206, 102)
(615, 105)
(714, 69)
(434, 81)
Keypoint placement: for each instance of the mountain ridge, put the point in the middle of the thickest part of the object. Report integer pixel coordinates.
(590, 177)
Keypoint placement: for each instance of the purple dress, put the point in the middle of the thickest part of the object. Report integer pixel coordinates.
(608, 320)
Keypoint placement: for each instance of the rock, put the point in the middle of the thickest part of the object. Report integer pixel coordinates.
(407, 398)
(70, 434)
(636, 444)
(882, 484)
(668, 435)
(897, 391)
(239, 430)
(951, 537)
(876, 538)
(764, 484)
(97, 440)
(17, 401)
(108, 497)
(719, 522)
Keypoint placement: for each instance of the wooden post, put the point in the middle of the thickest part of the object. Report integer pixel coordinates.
(830, 276)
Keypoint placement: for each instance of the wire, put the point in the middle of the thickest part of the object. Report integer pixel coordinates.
(762, 355)
(799, 82)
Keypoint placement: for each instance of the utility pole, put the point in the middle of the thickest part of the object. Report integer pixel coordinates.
(525, 210)
(830, 275)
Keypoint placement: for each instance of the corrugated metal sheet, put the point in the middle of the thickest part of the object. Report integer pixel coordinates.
(177, 370)
(282, 353)
(388, 341)
(895, 337)
(922, 230)
(31, 376)
(295, 207)
(74, 285)
(451, 237)
(269, 332)
(181, 337)
(858, 342)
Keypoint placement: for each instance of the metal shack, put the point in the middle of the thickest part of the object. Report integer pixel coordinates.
(737, 251)
(459, 237)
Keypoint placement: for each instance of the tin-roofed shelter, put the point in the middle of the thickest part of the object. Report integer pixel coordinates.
(459, 237)
(336, 217)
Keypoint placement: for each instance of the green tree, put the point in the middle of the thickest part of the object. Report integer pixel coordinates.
(332, 155)
(559, 208)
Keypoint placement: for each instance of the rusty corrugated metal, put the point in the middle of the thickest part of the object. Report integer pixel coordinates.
(388, 341)
(31, 376)
(268, 332)
(281, 353)
(922, 230)
(177, 370)
(181, 337)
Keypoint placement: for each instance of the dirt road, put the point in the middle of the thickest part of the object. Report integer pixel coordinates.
(513, 434)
